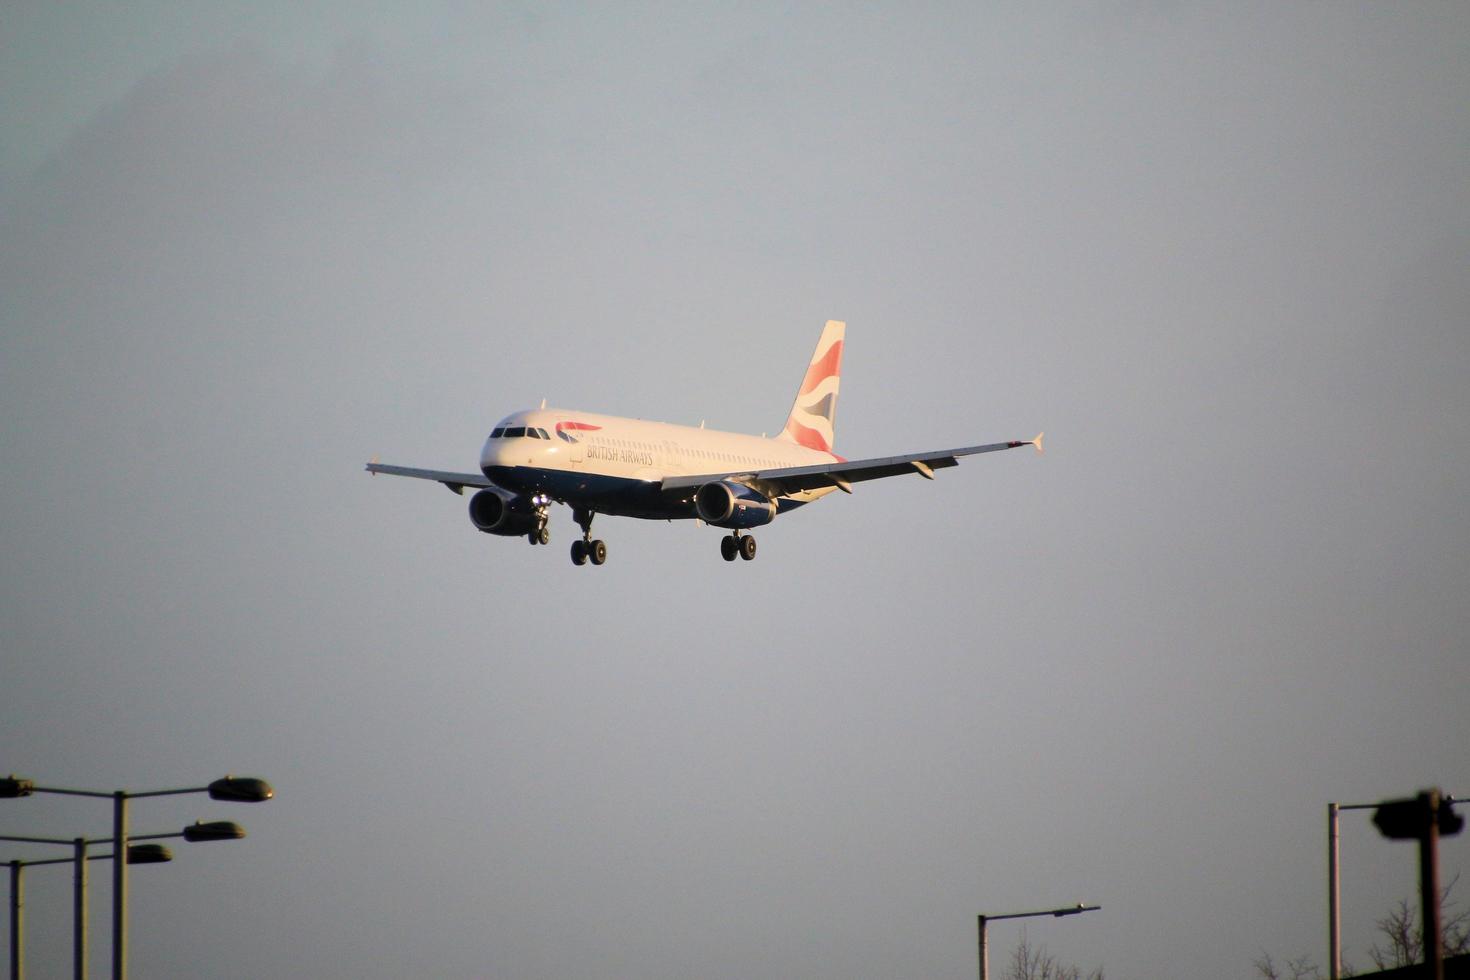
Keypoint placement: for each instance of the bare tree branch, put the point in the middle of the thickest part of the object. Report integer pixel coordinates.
(1266, 967)
(1035, 963)
(1300, 968)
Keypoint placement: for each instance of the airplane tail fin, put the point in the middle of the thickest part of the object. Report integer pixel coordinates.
(814, 413)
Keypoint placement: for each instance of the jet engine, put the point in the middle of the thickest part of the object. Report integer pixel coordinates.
(733, 505)
(497, 511)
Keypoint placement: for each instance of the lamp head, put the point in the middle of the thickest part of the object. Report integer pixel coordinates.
(215, 830)
(241, 789)
(11, 787)
(1411, 819)
(149, 854)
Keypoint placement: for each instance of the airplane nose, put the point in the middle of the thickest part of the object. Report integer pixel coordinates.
(490, 454)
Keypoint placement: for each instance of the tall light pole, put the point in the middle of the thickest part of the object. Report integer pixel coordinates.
(983, 920)
(1334, 888)
(137, 854)
(238, 789)
(17, 920)
(1334, 885)
(1423, 818)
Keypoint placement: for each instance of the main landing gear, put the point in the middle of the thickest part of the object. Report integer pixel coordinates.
(541, 534)
(587, 547)
(737, 544)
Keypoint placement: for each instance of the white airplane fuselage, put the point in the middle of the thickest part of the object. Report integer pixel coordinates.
(615, 465)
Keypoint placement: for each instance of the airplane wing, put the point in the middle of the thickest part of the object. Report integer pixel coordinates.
(454, 481)
(793, 479)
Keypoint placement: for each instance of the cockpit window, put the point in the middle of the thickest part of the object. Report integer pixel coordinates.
(542, 433)
(499, 431)
(515, 432)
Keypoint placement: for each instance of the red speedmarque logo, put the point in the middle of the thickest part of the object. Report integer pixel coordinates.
(563, 430)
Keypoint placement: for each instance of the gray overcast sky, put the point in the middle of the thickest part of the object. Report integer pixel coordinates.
(1218, 252)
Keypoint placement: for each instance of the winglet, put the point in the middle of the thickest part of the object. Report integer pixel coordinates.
(1037, 442)
(371, 466)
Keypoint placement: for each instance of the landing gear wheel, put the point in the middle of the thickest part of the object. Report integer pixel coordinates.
(532, 537)
(579, 553)
(728, 548)
(543, 535)
(597, 551)
(747, 547)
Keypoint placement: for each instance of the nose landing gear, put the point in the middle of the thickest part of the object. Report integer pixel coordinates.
(737, 544)
(540, 534)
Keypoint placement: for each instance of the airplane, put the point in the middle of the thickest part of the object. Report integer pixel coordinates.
(604, 464)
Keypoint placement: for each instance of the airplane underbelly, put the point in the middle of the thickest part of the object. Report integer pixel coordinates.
(623, 496)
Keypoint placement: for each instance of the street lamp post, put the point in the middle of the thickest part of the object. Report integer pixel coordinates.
(238, 789)
(79, 909)
(137, 854)
(17, 920)
(983, 920)
(79, 861)
(1423, 818)
(1334, 889)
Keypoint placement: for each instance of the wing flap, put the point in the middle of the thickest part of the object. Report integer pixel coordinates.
(794, 479)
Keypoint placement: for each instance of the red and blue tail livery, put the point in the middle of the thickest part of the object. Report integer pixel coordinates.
(814, 413)
(604, 464)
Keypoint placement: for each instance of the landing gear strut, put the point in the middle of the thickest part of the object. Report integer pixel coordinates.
(737, 544)
(588, 547)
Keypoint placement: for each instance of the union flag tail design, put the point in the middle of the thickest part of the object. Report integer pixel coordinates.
(814, 412)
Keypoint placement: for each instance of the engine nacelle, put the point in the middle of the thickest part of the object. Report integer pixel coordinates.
(497, 511)
(733, 505)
